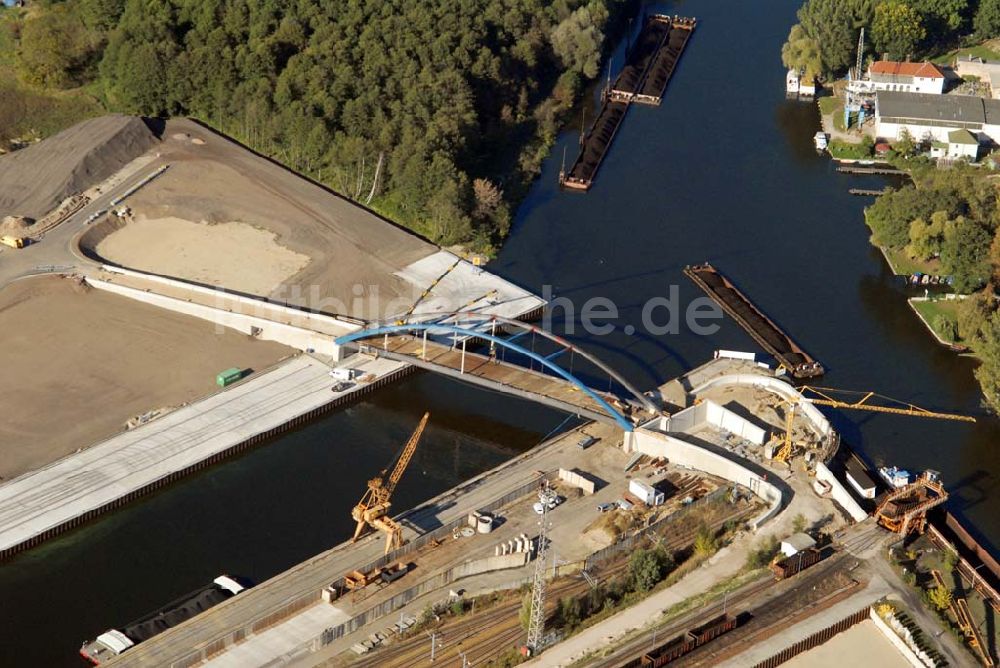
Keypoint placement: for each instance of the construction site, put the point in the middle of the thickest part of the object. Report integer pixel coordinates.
(720, 504)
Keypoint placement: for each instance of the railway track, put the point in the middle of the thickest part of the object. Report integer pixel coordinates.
(486, 635)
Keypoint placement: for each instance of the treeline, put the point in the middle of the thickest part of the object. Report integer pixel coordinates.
(953, 215)
(431, 112)
(824, 41)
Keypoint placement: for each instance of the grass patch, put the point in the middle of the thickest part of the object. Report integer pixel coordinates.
(988, 50)
(843, 150)
(938, 312)
(903, 264)
(26, 113)
(830, 104)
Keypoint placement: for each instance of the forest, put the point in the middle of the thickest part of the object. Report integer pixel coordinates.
(434, 113)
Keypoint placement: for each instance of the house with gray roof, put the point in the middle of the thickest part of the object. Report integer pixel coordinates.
(933, 118)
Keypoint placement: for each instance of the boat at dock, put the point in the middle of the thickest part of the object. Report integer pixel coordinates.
(113, 642)
(895, 477)
(821, 141)
(763, 330)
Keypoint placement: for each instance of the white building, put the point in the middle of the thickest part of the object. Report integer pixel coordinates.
(960, 144)
(906, 77)
(796, 543)
(932, 118)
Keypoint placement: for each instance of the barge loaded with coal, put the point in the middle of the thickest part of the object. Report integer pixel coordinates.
(113, 642)
(648, 67)
(763, 330)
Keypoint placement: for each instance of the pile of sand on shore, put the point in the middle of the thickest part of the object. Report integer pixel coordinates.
(34, 180)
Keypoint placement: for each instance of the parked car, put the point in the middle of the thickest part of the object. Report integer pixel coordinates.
(586, 442)
(342, 386)
(605, 507)
(551, 502)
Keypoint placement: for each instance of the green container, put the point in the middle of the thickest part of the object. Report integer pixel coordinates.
(228, 377)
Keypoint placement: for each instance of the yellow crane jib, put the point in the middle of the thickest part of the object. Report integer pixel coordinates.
(823, 396)
(372, 511)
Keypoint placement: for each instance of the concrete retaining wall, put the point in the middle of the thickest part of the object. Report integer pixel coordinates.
(719, 417)
(896, 641)
(577, 480)
(816, 418)
(296, 337)
(840, 494)
(680, 452)
(477, 566)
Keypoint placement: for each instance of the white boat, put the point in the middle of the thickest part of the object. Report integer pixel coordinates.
(896, 477)
(820, 140)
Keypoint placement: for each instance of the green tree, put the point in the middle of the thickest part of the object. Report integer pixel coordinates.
(942, 18)
(905, 145)
(56, 49)
(964, 254)
(569, 612)
(945, 327)
(802, 53)
(799, 523)
(577, 40)
(926, 238)
(949, 560)
(525, 613)
(987, 19)
(973, 314)
(988, 351)
(705, 543)
(897, 29)
(644, 569)
(940, 597)
(763, 553)
(833, 27)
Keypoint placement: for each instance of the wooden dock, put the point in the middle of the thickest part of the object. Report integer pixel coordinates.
(881, 171)
(763, 330)
(867, 192)
(650, 64)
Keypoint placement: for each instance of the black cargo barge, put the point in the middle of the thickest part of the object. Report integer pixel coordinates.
(764, 331)
(113, 642)
(648, 69)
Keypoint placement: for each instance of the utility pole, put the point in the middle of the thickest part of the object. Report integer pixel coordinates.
(536, 624)
(433, 637)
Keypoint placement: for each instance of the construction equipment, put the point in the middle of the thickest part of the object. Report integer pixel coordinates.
(822, 396)
(372, 511)
(905, 509)
(13, 242)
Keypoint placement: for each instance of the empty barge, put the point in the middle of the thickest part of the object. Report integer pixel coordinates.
(648, 68)
(764, 331)
(113, 642)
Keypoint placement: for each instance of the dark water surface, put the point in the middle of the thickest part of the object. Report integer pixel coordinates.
(724, 171)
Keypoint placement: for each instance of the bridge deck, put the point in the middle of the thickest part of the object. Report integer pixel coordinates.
(486, 371)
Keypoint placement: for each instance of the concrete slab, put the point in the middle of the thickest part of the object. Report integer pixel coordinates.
(285, 638)
(39, 502)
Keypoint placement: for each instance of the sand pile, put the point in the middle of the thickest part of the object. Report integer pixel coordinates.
(34, 180)
(232, 254)
(15, 226)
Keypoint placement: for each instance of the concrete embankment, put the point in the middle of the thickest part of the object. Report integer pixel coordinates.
(77, 488)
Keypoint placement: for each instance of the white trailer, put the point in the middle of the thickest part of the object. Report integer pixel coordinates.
(646, 493)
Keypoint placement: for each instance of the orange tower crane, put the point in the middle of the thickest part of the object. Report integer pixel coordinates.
(373, 509)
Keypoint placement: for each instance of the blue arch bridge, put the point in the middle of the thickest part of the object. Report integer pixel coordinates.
(439, 344)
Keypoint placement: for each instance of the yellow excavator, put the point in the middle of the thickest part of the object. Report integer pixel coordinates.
(373, 509)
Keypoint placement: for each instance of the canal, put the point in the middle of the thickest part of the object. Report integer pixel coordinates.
(723, 171)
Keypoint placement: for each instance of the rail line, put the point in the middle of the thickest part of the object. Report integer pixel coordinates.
(502, 623)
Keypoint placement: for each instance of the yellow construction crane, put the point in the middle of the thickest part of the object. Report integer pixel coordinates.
(373, 509)
(822, 396)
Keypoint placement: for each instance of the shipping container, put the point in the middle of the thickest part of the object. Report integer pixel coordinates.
(228, 377)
